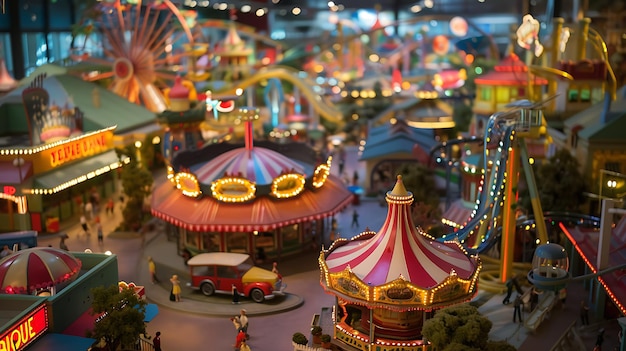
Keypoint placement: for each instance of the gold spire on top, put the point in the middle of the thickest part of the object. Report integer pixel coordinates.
(399, 189)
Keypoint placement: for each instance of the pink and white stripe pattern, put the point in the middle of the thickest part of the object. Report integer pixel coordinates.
(399, 249)
(258, 165)
(28, 270)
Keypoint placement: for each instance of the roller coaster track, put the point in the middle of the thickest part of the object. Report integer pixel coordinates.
(320, 104)
(485, 221)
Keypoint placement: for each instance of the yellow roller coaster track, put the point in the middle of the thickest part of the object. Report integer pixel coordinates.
(320, 104)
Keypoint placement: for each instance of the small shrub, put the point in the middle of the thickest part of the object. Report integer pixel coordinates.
(316, 330)
(299, 339)
(325, 338)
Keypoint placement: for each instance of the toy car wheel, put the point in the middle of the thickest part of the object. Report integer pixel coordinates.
(257, 295)
(207, 289)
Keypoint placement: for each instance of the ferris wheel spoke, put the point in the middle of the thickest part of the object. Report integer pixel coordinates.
(113, 37)
(99, 76)
(144, 23)
(154, 36)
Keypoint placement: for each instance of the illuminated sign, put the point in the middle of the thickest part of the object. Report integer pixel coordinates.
(78, 149)
(22, 333)
(9, 190)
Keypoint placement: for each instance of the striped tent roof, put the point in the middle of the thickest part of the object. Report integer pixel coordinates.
(258, 165)
(28, 270)
(401, 251)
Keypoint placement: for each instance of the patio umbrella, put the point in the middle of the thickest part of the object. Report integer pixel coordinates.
(29, 270)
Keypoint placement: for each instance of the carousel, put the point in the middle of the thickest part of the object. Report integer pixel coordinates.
(388, 283)
(262, 198)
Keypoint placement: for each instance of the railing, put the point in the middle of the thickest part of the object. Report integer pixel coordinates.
(570, 340)
(145, 344)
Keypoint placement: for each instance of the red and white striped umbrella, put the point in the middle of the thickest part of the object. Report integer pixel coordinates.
(29, 270)
(258, 165)
(399, 249)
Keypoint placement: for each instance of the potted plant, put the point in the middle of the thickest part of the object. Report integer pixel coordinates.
(299, 341)
(325, 338)
(316, 331)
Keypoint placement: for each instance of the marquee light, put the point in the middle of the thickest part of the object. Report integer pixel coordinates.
(233, 189)
(77, 180)
(321, 173)
(188, 184)
(39, 148)
(287, 185)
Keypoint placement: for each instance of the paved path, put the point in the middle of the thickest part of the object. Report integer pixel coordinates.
(201, 323)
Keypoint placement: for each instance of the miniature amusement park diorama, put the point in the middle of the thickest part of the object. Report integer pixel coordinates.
(494, 167)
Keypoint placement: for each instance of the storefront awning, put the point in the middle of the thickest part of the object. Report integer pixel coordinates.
(61, 342)
(78, 172)
(262, 214)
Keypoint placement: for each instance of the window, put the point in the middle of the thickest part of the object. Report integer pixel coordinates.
(485, 93)
(503, 94)
(35, 51)
(211, 242)
(226, 272)
(237, 242)
(192, 239)
(585, 95)
(572, 95)
(613, 167)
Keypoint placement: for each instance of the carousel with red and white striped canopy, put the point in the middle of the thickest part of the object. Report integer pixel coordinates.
(263, 198)
(387, 283)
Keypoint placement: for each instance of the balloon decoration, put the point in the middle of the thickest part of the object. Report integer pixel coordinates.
(441, 45)
(458, 26)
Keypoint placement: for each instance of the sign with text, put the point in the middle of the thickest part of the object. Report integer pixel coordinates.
(74, 149)
(25, 331)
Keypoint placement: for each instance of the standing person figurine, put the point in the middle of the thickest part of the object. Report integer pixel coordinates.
(110, 207)
(600, 339)
(534, 299)
(562, 297)
(99, 230)
(244, 346)
(355, 178)
(62, 245)
(157, 341)
(152, 269)
(240, 339)
(275, 267)
(510, 284)
(175, 287)
(584, 313)
(243, 320)
(355, 219)
(233, 288)
(517, 311)
(83, 223)
(89, 210)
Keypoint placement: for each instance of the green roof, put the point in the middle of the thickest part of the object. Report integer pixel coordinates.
(113, 110)
(612, 131)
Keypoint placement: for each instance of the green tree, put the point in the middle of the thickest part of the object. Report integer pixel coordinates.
(461, 327)
(559, 182)
(123, 321)
(420, 180)
(462, 116)
(137, 182)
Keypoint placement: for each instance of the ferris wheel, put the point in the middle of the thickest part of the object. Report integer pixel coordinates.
(135, 43)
